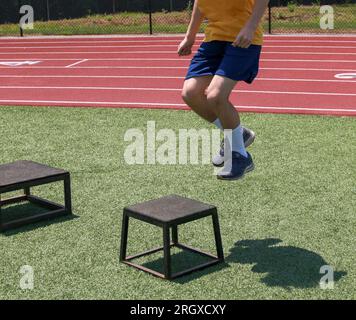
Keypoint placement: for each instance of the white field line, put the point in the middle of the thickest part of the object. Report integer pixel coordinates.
(183, 59)
(76, 63)
(166, 52)
(282, 36)
(170, 59)
(174, 89)
(174, 35)
(144, 104)
(92, 42)
(306, 35)
(169, 45)
(169, 77)
(184, 68)
(340, 38)
(263, 60)
(98, 67)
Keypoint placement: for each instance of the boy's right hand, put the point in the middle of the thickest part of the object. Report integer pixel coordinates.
(185, 47)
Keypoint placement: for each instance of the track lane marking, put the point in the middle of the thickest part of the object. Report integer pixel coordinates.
(169, 52)
(171, 77)
(76, 63)
(153, 67)
(176, 89)
(168, 41)
(169, 45)
(183, 59)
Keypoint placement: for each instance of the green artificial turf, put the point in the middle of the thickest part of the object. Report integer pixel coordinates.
(280, 224)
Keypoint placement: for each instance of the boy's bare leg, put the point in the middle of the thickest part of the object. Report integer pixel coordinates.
(194, 95)
(218, 94)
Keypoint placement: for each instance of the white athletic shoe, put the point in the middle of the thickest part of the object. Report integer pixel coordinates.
(249, 137)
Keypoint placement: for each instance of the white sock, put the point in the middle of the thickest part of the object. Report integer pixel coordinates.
(237, 143)
(218, 124)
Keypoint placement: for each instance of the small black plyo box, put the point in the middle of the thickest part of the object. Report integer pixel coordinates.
(22, 175)
(169, 212)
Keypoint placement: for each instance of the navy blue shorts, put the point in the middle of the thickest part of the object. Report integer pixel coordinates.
(223, 59)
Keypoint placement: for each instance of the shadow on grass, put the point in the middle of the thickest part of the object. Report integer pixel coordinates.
(184, 260)
(25, 209)
(284, 266)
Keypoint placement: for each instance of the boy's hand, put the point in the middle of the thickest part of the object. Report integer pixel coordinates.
(185, 47)
(245, 37)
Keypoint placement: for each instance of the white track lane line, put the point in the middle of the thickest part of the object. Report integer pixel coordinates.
(182, 59)
(166, 36)
(176, 89)
(110, 103)
(164, 52)
(76, 63)
(184, 68)
(170, 77)
(168, 41)
(171, 45)
(172, 59)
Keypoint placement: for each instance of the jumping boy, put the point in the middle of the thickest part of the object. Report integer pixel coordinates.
(230, 53)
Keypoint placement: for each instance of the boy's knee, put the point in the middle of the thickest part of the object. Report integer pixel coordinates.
(216, 99)
(191, 94)
(186, 95)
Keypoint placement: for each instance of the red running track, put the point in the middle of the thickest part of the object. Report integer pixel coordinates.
(299, 74)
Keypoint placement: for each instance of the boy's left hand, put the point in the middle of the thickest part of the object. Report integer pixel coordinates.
(245, 37)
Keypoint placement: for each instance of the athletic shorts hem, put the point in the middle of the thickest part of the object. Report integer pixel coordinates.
(190, 76)
(248, 80)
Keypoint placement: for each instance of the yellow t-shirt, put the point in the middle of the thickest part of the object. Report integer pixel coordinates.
(226, 18)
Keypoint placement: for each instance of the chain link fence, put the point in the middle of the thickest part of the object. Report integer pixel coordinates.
(313, 16)
(82, 17)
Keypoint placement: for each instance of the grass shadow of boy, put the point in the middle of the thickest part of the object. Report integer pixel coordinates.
(284, 266)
